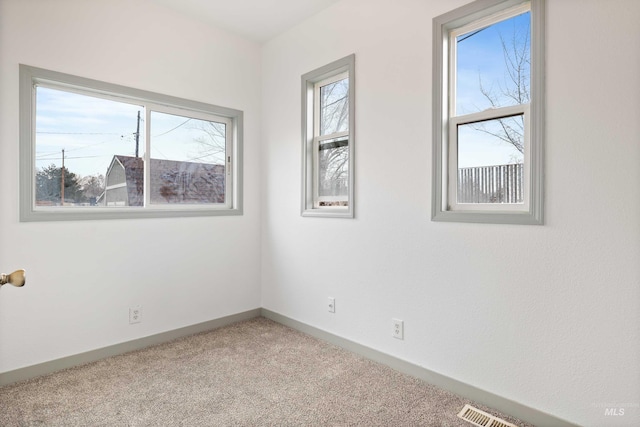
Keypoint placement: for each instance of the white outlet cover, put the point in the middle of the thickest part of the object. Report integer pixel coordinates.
(135, 314)
(398, 328)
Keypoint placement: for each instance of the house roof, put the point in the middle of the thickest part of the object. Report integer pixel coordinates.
(134, 173)
(173, 181)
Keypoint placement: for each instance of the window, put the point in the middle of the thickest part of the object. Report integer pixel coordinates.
(328, 140)
(488, 113)
(93, 150)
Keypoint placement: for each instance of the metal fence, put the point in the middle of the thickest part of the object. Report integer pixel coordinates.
(491, 184)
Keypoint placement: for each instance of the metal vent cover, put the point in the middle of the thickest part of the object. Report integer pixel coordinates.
(480, 418)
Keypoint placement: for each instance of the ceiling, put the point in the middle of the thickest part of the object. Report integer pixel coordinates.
(257, 20)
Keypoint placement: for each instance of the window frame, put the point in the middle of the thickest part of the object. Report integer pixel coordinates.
(32, 77)
(478, 14)
(311, 139)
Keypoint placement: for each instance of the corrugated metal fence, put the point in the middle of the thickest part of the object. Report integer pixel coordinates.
(491, 184)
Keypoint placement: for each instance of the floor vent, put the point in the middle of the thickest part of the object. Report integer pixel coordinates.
(479, 418)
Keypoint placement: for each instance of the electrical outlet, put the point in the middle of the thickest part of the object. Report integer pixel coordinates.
(135, 314)
(332, 305)
(398, 329)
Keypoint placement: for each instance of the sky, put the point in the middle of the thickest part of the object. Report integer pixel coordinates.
(92, 130)
(480, 57)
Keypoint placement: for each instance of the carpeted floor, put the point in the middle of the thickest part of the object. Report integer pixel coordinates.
(253, 373)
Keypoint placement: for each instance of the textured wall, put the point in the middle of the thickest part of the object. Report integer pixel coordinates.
(544, 315)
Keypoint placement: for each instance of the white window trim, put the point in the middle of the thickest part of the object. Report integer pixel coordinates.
(32, 76)
(478, 14)
(332, 72)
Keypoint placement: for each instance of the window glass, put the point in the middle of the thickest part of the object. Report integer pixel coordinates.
(479, 144)
(492, 71)
(333, 152)
(187, 162)
(490, 170)
(493, 65)
(333, 170)
(334, 107)
(81, 135)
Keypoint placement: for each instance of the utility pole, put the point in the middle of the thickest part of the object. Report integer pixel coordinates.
(62, 180)
(137, 134)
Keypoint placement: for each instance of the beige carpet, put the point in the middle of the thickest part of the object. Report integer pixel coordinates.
(253, 373)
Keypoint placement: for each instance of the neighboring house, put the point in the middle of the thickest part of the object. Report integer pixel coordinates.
(171, 182)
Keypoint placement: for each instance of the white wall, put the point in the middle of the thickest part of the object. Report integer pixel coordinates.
(544, 315)
(83, 276)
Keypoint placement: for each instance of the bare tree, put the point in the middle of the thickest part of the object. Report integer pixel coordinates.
(514, 89)
(92, 185)
(212, 142)
(333, 155)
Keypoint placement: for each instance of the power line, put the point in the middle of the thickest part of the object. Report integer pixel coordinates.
(55, 153)
(67, 157)
(78, 133)
(88, 145)
(171, 130)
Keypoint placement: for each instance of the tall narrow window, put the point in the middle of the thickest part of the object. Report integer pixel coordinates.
(93, 150)
(488, 117)
(328, 140)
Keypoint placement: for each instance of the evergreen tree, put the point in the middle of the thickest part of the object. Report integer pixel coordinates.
(49, 180)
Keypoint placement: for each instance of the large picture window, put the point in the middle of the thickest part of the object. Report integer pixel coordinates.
(328, 140)
(94, 150)
(488, 113)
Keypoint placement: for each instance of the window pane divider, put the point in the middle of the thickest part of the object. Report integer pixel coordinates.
(337, 135)
(490, 114)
